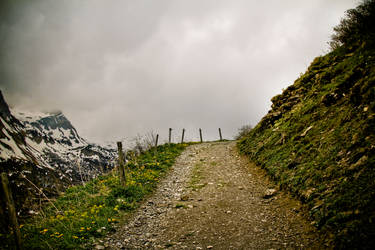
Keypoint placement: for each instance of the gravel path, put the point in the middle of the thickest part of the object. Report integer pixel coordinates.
(215, 199)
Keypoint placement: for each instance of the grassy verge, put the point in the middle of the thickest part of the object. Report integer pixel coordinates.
(318, 142)
(86, 212)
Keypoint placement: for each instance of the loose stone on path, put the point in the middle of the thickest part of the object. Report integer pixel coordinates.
(237, 207)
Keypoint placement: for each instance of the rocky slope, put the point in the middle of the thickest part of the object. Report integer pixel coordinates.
(318, 141)
(45, 150)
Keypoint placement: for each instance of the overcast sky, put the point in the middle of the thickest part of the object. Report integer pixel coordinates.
(122, 68)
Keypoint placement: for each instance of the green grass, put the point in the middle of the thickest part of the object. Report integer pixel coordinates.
(180, 205)
(196, 177)
(86, 212)
(331, 167)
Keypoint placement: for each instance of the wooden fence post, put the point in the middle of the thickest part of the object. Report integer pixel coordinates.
(221, 138)
(121, 167)
(183, 134)
(170, 135)
(156, 141)
(11, 210)
(200, 134)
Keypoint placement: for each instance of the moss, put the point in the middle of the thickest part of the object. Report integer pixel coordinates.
(330, 166)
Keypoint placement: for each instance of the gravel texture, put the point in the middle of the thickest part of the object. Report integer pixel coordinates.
(215, 199)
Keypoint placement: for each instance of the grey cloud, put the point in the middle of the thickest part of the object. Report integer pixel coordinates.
(118, 68)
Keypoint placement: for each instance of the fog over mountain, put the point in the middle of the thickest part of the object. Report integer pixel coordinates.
(121, 68)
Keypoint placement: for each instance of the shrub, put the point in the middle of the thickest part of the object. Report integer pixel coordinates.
(243, 131)
(357, 26)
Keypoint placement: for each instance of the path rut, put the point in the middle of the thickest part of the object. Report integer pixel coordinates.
(214, 199)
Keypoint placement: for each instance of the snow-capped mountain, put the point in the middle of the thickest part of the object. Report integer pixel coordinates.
(57, 142)
(46, 150)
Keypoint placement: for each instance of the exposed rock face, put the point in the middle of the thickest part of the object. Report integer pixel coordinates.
(4, 109)
(58, 142)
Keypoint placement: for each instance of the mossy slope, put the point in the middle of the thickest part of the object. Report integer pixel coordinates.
(318, 141)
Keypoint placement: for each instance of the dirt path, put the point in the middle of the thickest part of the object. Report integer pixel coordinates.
(214, 199)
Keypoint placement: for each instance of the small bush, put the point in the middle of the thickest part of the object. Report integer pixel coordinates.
(243, 131)
(357, 27)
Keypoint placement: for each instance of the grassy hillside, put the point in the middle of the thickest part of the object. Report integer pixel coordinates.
(89, 211)
(318, 140)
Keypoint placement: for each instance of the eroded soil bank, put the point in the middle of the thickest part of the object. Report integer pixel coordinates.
(214, 199)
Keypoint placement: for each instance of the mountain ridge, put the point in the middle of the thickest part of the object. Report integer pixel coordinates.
(45, 150)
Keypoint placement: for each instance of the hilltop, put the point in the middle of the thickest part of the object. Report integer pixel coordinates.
(318, 139)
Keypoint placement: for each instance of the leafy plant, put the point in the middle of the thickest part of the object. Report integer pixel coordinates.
(357, 27)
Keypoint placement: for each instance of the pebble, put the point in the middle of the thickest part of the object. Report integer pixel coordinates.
(149, 227)
(148, 221)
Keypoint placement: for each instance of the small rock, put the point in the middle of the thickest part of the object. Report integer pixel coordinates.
(99, 247)
(209, 247)
(184, 198)
(305, 132)
(190, 206)
(269, 193)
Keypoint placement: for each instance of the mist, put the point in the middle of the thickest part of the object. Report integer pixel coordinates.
(121, 68)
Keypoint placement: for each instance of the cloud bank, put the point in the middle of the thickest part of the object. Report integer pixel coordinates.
(121, 68)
